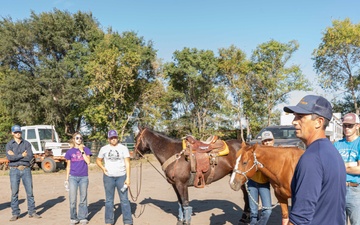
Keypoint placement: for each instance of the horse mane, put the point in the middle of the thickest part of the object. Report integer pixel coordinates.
(160, 134)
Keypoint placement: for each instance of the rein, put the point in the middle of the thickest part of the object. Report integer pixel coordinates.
(256, 164)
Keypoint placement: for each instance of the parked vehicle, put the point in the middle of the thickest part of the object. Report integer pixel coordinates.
(49, 153)
(284, 136)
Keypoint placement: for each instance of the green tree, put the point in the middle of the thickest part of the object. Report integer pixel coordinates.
(119, 71)
(345, 104)
(337, 59)
(235, 67)
(198, 100)
(271, 81)
(42, 61)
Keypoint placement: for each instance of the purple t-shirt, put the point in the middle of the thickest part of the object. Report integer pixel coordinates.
(78, 166)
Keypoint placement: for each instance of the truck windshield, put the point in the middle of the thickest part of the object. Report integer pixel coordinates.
(46, 135)
(281, 132)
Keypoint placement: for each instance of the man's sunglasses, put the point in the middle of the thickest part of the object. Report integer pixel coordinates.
(348, 125)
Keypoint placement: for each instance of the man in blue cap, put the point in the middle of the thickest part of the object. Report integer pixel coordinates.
(318, 185)
(19, 154)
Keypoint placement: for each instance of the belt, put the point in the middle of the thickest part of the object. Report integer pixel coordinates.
(351, 184)
(21, 167)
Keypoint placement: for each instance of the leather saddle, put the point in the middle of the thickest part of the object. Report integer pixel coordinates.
(203, 155)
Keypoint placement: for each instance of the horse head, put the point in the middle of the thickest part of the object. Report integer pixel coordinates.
(141, 146)
(245, 166)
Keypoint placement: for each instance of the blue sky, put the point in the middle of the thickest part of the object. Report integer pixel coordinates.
(207, 24)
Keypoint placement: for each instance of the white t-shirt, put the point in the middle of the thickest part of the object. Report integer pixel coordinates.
(114, 158)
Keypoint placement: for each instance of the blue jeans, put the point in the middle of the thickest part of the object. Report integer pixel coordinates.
(110, 183)
(353, 205)
(263, 190)
(82, 184)
(15, 176)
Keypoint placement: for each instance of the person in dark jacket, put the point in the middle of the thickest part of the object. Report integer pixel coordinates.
(318, 185)
(19, 154)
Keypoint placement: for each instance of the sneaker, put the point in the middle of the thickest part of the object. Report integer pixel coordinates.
(35, 215)
(14, 218)
(83, 222)
(73, 222)
(245, 218)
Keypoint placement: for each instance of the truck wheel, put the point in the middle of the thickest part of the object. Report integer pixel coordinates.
(48, 165)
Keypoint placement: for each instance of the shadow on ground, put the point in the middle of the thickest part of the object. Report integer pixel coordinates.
(231, 212)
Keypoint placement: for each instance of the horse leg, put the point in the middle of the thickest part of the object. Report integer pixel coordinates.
(284, 210)
(180, 210)
(185, 210)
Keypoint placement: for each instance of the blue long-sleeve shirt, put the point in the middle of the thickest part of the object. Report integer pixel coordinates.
(319, 186)
(17, 159)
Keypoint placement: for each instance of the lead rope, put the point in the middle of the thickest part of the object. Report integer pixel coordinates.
(138, 187)
(252, 199)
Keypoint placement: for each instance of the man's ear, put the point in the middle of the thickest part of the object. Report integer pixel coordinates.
(319, 122)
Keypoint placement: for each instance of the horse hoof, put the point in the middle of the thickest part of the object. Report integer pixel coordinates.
(182, 223)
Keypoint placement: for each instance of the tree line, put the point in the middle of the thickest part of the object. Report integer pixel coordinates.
(62, 69)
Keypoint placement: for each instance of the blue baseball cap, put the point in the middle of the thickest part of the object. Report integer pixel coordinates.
(312, 104)
(16, 128)
(112, 133)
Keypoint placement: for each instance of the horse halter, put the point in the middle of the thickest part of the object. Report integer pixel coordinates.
(138, 142)
(256, 164)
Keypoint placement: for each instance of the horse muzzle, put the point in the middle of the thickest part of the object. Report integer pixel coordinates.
(235, 182)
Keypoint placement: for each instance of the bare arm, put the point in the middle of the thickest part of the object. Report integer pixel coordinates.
(352, 169)
(128, 168)
(100, 164)
(68, 162)
(85, 156)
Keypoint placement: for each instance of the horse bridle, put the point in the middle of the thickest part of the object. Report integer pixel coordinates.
(256, 164)
(138, 142)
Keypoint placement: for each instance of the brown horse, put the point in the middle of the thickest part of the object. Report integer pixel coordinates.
(277, 163)
(178, 170)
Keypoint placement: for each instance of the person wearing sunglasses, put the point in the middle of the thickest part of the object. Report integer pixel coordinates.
(349, 149)
(116, 175)
(19, 154)
(77, 161)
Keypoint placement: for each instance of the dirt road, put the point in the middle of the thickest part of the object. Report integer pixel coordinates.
(216, 204)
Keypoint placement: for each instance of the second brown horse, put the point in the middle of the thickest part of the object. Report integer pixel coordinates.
(277, 163)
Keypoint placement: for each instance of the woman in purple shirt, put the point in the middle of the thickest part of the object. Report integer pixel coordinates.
(77, 161)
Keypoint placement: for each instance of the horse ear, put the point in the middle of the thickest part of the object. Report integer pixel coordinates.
(254, 147)
(243, 144)
(140, 127)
